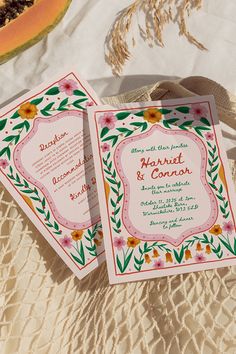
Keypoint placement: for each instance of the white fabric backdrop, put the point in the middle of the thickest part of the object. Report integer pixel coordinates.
(78, 41)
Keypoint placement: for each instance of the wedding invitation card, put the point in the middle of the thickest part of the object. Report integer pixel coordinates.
(46, 163)
(166, 194)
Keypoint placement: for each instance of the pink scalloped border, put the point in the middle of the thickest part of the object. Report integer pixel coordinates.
(131, 229)
(18, 163)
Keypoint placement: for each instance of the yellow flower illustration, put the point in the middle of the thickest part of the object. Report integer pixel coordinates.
(147, 258)
(77, 235)
(152, 115)
(208, 249)
(132, 242)
(155, 254)
(216, 230)
(97, 242)
(28, 110)
(169, 257)
(188, 255)
(199, 247)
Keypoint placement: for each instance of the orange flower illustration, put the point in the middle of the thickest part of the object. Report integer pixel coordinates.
(188, 255)
(97, 242)
(155, 254)
(152, 115)
(208, 249)
(147, 258)
(77, 235)
(216, 230)
(28, 110)
(100, 233)
(132, 242)
(169, 257)
(199, 247)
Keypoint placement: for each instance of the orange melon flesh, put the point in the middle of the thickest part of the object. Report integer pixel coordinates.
(30, 26)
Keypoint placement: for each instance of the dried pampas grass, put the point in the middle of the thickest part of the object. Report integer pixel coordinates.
(157, 14)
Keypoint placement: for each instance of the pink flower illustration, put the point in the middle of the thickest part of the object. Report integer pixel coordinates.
(158, 263)
(66, 242)
(105, 147)
(68, 86)
(209, 136)
(199, 258)
(90, 103)
(119, 242)
(3, 163)
(198, 111)
(108, 120)
(228, 227)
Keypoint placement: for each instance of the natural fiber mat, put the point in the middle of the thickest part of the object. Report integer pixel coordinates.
(46, 309)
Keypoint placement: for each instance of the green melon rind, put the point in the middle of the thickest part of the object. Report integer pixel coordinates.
(37, 38)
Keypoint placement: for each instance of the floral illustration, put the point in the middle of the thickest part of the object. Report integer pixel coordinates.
(216, 230)
(68, 86)
(28, 110)
(147, 258)
(199, 247)
(188, 254)
(158, 264)
(66, 242)
(228, 227)
(132, 252)
(3, 163)
(77, 235)
(200, 258)
(119, 243)
(105, 147)
(89, 104)
(209, 136)
(132, 242)
(169, 257)
(80, 245)
(198, 111)
(155, 254)
(107, 120)
(152, 115)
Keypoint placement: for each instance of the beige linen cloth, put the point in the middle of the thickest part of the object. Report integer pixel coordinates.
(46, 309)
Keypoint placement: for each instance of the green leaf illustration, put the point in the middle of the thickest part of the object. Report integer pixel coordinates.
(139, 114)
(78, 93)
(172, 120)
(15, 115)
(37, 101)
(53, 91)
(104, 131)
(77, 103)
(125, 131)
(184, 125)
(27, 125)
(122, 115)
(3, 123)
(127, 260)
(179, 256)
(139, 261)
(77, 259)
(19, 126)
(41, 211)
(205, 121)
(183, 109)
(119, 264)
(164, 110)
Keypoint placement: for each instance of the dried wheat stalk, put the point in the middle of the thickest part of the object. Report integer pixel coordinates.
(158, 13)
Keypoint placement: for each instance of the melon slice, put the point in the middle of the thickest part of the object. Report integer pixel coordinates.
(30, 26)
